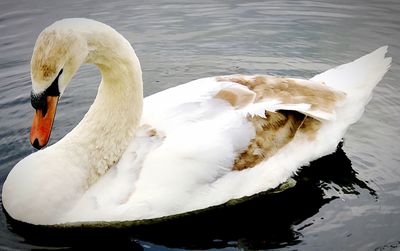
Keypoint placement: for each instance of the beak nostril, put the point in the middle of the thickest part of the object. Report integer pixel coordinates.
(36, 145)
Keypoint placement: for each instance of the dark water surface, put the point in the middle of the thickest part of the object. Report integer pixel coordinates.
(347, 201)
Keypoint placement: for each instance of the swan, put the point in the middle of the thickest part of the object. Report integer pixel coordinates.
(190, 147)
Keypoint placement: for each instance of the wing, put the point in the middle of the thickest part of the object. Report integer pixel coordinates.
(276, 109)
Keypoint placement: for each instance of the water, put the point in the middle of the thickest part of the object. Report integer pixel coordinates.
(347, 201)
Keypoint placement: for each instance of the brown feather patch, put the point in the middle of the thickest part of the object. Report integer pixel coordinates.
(289, 91)
(279, 128)
(273, 133)
(236, 97)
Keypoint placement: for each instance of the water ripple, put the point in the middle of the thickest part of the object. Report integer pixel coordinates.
(181, 41)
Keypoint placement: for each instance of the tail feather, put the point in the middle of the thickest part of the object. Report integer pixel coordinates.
(359, 77)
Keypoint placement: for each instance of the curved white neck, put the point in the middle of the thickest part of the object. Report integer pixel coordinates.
(107, 128)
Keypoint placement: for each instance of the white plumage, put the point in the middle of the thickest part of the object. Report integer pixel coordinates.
(184, 147)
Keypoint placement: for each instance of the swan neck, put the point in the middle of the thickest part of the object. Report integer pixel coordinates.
(107, 128)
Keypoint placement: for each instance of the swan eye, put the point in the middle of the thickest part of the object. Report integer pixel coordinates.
(38, 100)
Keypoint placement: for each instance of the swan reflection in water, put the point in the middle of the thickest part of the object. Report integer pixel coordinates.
(265, 220)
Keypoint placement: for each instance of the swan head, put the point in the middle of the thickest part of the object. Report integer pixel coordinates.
(59, 51)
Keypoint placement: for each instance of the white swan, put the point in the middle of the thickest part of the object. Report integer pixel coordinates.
(196, 145)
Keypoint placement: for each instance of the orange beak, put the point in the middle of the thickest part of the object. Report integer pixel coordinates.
(43, 122)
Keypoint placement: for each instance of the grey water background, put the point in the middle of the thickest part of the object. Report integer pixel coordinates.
(178, 41)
